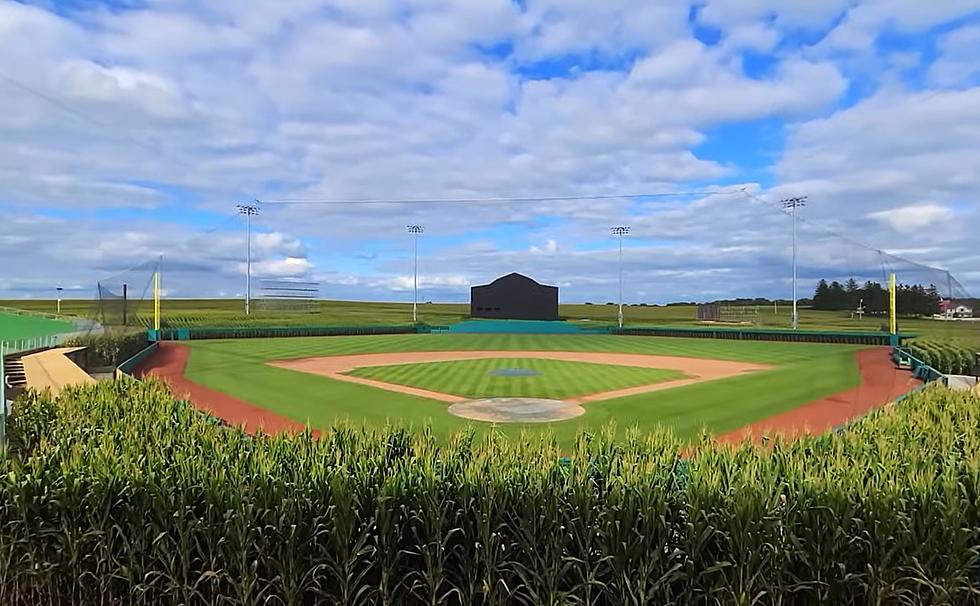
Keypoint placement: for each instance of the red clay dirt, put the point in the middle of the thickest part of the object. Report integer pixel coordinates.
(169, 363)
(881, 383)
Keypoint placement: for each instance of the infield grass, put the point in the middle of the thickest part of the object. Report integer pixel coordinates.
(801, 373)
(556, 379)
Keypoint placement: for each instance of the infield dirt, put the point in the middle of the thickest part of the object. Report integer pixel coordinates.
(696, 369)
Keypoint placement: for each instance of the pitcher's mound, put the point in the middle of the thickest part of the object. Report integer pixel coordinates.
(516, 410)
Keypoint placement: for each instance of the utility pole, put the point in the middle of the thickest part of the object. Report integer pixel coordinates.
(249, 210)
(415, 230)
(620, 230)
(793, 204)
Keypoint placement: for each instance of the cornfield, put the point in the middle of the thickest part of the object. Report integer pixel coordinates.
(118, 494)
(946, 356)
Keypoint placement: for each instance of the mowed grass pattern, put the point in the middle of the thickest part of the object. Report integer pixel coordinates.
(802, 373)
(558, 379)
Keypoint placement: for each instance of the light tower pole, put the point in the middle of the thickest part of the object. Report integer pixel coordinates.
(415, 230)
(249, 210)
(620, 230)
(792, 204)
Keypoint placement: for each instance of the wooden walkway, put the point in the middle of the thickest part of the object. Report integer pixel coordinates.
(52, 369)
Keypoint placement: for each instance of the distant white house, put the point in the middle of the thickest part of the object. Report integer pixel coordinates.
(962, 311)
(957, 309)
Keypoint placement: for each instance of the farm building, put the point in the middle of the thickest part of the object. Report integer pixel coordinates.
(958, 308)
(514, 297)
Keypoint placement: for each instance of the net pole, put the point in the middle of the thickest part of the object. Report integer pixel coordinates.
(124, 305)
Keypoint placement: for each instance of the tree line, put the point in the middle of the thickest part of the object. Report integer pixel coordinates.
(912, 300)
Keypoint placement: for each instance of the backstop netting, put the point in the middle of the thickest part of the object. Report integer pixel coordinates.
(125, 299)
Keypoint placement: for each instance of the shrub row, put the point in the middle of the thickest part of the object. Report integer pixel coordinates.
(118, 494)
(946, 356)
(111, 348)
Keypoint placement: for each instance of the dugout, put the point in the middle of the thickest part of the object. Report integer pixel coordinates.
(514, 297)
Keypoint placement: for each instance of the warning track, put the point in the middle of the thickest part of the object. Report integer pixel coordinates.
(169, 363)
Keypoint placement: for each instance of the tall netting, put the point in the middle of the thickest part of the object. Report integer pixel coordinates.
(125, 300)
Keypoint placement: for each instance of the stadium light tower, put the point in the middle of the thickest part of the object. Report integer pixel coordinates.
(416, 230)
(620, 230)
(792, 204)
(249, 210)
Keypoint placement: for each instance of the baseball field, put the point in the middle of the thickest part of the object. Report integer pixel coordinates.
(688, 385)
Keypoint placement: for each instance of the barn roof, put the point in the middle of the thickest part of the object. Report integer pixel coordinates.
(516, 276)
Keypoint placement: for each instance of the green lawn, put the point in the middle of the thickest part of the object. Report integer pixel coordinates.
(801, 374)
(554, 379)
(15, 326)
(229, 313)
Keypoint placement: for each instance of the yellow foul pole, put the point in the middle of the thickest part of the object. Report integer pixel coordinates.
(156, 300)
(893, 323)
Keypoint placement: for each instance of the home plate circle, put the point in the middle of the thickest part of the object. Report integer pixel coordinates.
(516, 410)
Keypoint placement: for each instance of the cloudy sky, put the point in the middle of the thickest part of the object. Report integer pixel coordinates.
(131, 129)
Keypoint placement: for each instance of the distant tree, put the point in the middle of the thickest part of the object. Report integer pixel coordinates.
(853, 293)
(875, 298)
(838, 296)
(821, 297)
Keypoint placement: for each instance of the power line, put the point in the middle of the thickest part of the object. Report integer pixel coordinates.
(549, 198)
(152, 145)
(844, 237)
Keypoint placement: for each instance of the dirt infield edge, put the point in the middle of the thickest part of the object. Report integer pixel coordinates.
(169, 364)
(696, 370)
(881, 383)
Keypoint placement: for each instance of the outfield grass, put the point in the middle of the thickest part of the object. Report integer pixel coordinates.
(802, 373)
(229, 313)
(555, 379)
(14, 326)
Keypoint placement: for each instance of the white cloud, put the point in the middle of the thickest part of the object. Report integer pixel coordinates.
(403, 283)
(550, 247)
(910, 218)
(289, 267)
(783, 13)
(957, 64)
(860, 26)
(201, 105)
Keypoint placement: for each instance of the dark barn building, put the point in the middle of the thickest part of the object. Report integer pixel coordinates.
(514, 297)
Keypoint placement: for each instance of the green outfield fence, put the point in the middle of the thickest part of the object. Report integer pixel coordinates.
(920, 370)
(762, 334)
(187, 334)
(126, 369)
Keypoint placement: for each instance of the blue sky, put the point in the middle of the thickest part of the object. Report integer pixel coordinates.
(130, 130)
